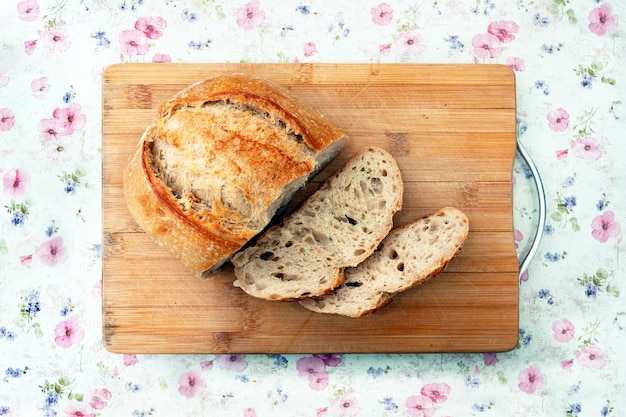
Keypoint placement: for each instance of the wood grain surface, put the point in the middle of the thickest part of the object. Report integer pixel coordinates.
(452, 131)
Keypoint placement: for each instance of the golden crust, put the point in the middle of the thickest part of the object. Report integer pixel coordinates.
(254, 161)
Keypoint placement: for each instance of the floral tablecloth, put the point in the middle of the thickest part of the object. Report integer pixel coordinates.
(568, 57)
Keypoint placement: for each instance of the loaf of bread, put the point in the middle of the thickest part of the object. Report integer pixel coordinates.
(340, 225)
(219, 160)
(408, 256)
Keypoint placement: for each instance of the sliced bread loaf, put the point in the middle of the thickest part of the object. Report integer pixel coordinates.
(218, 162)
(408, 256)
(338, 226)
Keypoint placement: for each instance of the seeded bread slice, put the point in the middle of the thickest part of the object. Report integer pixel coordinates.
(408, 256)
(338, 226)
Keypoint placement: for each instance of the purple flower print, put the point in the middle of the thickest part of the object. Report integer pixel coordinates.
(419, 406)
(190, 383)
(68, 332)
(40, 87)
(151, 26)
(345, 405)
(604, 226)
(314, 369)
(563, 330)
(586, 148)
(52, 251)
(591, 357)
(329, 359)
(516, 64)
(55, 39)
(133, 42)
(410, 43)
(531, 379)
(504, 30)
(382, 14)
(602, 20)
(14, 182)
(235, 363)
(7, 119)
(486, 45)
(558, 119)
(490, 358)
(27, 10)
(250, 15)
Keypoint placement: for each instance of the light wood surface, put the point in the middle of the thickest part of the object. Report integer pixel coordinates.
(452, 131)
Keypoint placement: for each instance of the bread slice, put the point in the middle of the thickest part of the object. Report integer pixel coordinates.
(340, 225)
(408, 256)
(218, 162)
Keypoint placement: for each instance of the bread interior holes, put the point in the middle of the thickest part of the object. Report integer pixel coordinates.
(400, 266)
(359, 252)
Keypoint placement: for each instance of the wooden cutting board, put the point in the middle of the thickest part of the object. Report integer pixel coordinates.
(452, 131)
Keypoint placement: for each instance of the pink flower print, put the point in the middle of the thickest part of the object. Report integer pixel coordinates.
(310, 49)
(567, 364)
(516, 64)
(601, 20)
(517, 237)
(531, 379)
(4, 80)
(382, 14)
(29, 47)
(558, 119)
(321, 412)
(436, 391)
(410, 43)
(78, 410)
(419, 406)
(318, 381)
(563, 330)
(235, 363)
(150, 26)
(591, 357)
(329, 359)
(40, 87)
(134, 42)
(490, 358)
(50, 129)
(55, 39)
(52, 252)
(68, 332)
(504, 30)
(586, 148)
(99, 398)
(604, 226)
(130, 359)
(25, 260)
(7, 119)
(70, 118)
(161, 58)
(27, 10)
(562, 155)
(15, 181)
(384, 49)
(250, 15)
(206, 365)
(345, 405)
(249, 412)
(486, 46)
(190, 384)
(56, 151)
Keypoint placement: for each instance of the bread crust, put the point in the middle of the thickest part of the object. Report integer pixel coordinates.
(258, 164)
